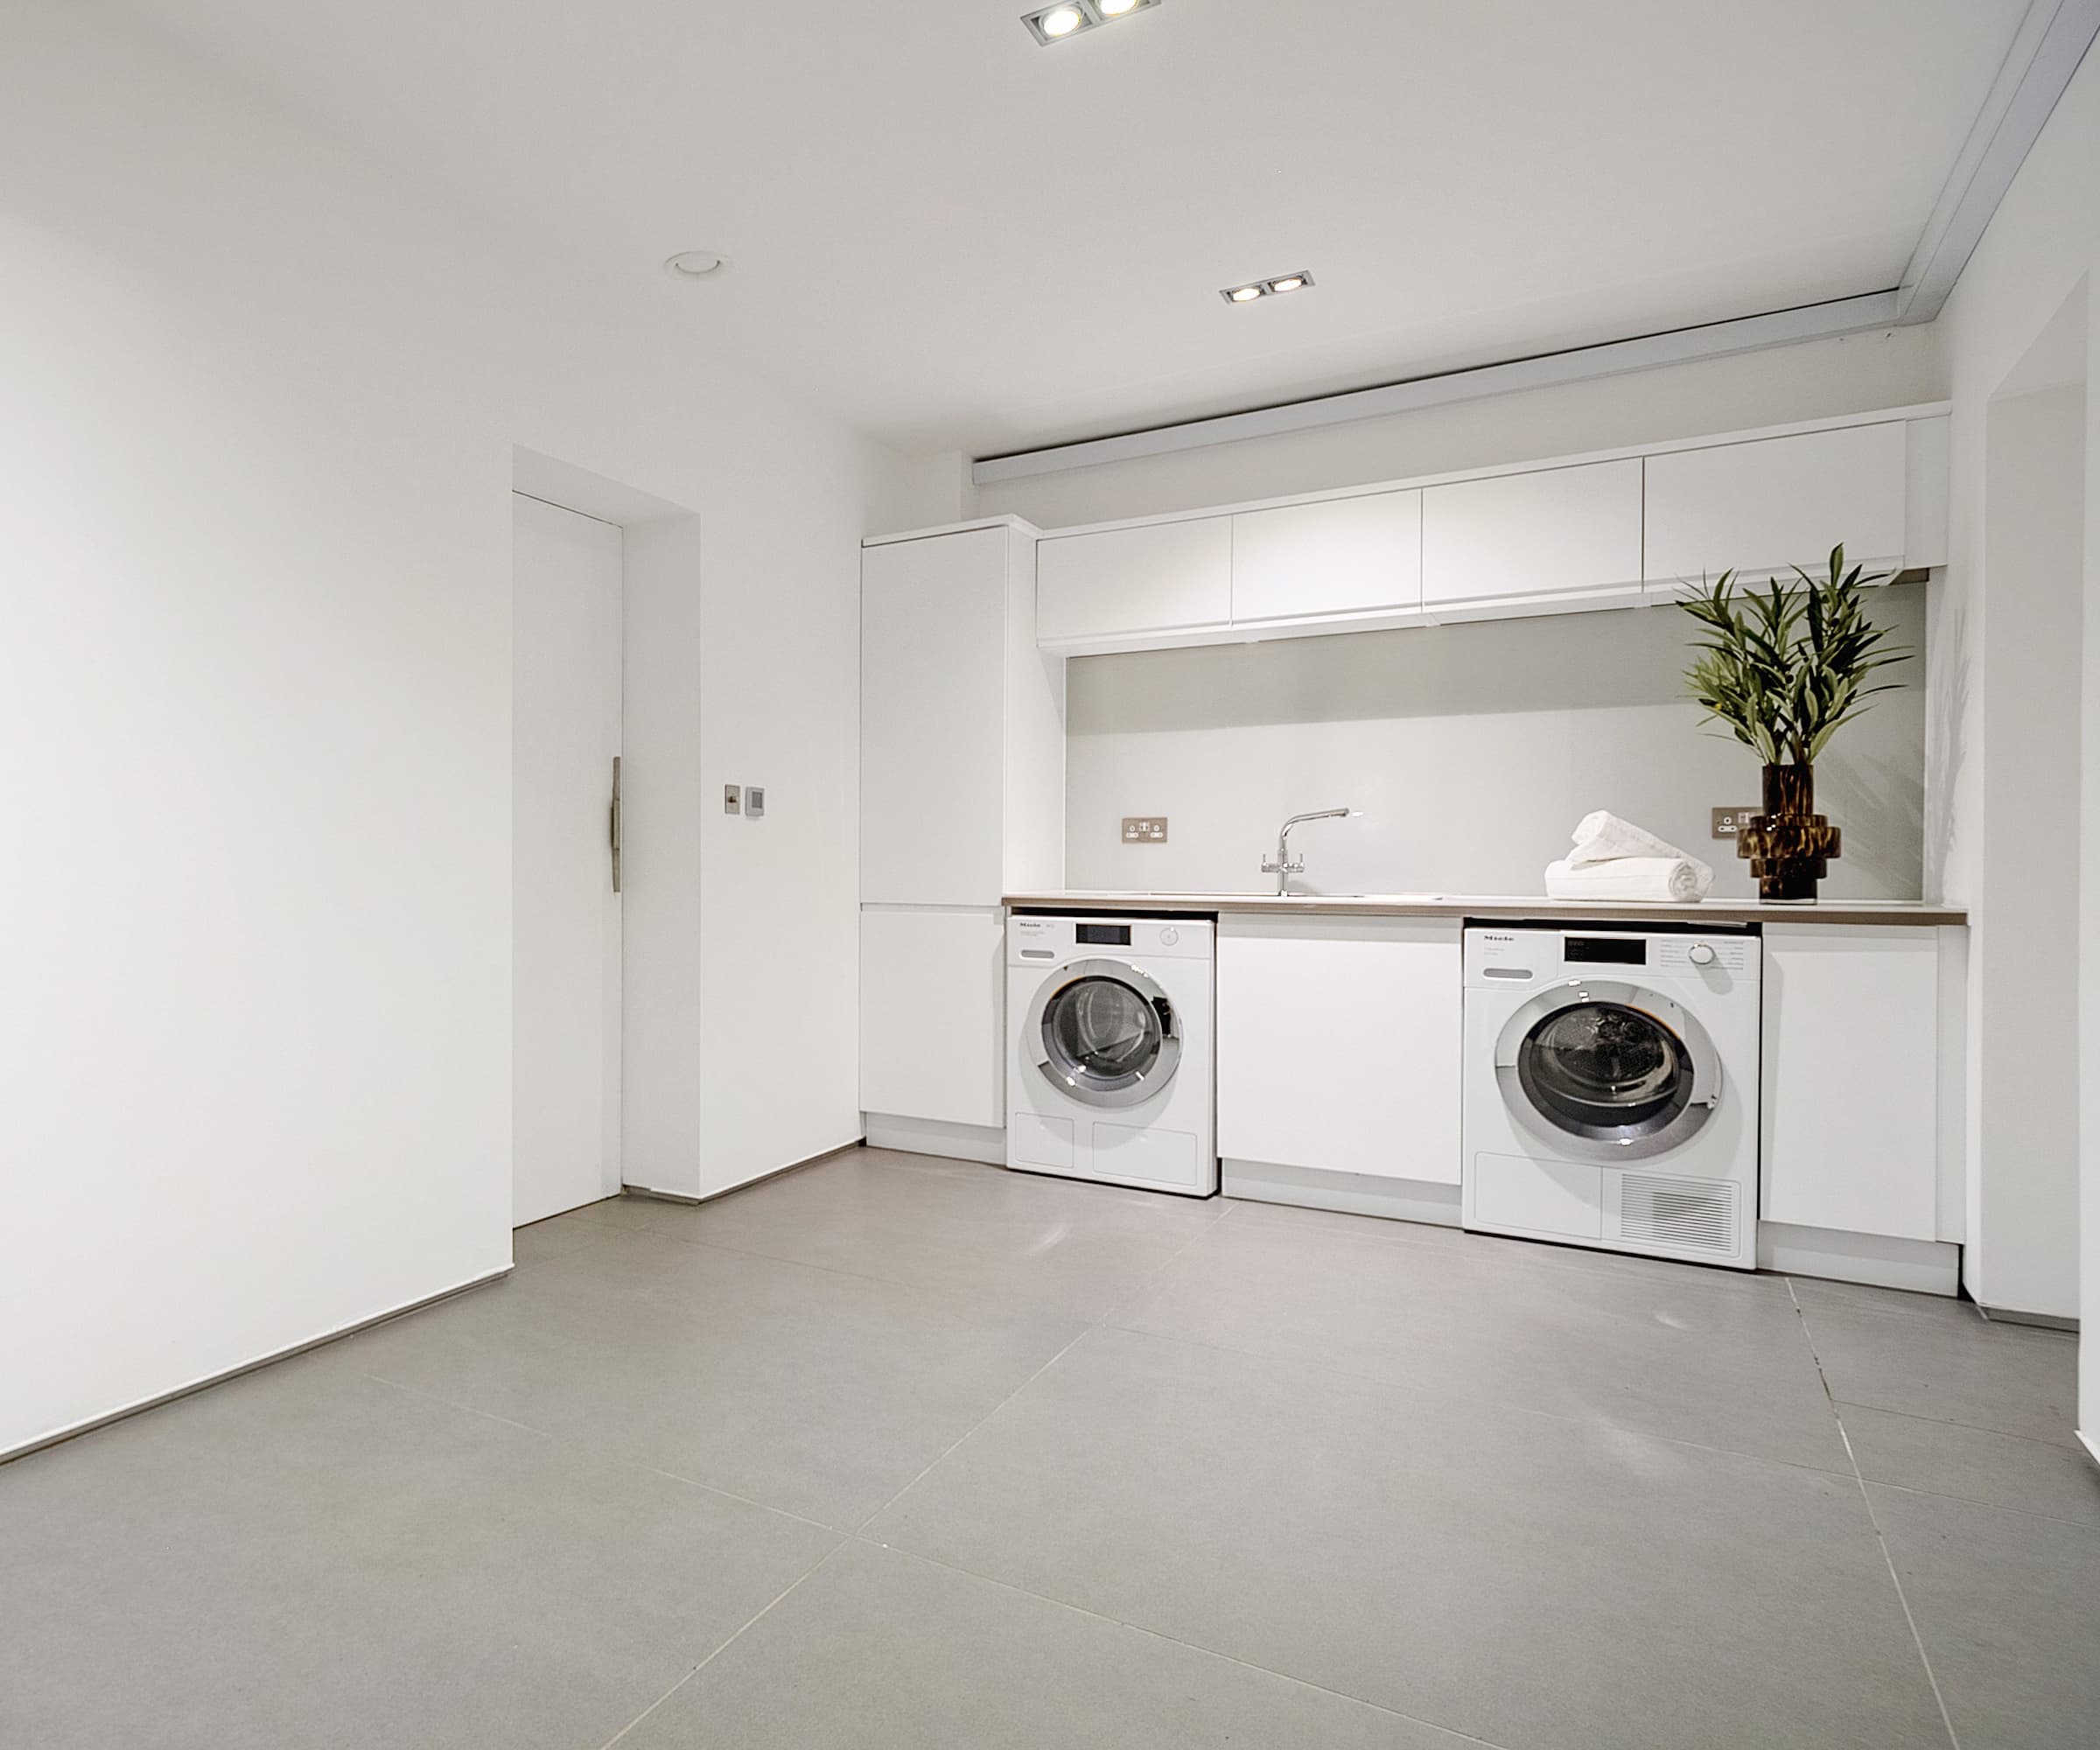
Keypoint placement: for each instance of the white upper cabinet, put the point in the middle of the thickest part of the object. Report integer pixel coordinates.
(1544, 543)
(1554, 537)
(1164, 577)
(1361, 557)
(1766, 507)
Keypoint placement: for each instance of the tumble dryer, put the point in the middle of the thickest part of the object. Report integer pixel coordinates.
(1611, 1089)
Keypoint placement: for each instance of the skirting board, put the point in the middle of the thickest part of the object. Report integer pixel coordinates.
(930, 1136)
(2092, 1446)
(1923, 1266)
(269, 1360)
(1355, 1194)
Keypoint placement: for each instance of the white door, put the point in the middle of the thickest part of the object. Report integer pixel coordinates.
(565, 698)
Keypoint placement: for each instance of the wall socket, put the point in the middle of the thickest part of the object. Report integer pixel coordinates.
(1728, 822)
(1144, 828)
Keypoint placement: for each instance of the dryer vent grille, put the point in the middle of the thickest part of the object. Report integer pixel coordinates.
(1698, 1215)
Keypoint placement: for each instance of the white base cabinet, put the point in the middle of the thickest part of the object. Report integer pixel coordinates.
(1338, 1044)
(933, 998)
(1851, 1133)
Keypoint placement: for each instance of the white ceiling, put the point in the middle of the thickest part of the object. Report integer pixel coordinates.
(960, 239)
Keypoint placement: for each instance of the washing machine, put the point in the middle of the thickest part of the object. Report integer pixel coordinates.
(1109, 1039)
(1611, 1089)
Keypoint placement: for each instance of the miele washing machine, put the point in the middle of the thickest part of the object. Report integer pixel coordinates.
(1611, 1089)
(1110, 1043)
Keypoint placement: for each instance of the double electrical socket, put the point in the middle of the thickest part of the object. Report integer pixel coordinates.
(1144, 828)
(1729, 821)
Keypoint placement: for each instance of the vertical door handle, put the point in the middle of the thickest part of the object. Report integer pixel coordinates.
(614, 824)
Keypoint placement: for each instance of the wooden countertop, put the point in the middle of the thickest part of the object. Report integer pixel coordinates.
(1504, 906)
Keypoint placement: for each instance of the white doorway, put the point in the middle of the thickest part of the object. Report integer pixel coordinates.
(565, 725)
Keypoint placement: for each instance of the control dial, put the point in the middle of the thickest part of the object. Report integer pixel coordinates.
(1700, 953)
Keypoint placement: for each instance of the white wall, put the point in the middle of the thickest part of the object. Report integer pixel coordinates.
(2012, 731)
(1817, 380)
(2009, 737)
(1472, 751)
(255, 511)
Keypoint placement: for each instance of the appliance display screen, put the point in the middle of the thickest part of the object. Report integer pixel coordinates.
(1606, 950)
(1105, 936)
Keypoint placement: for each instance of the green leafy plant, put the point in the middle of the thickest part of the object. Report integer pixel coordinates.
(1786, 668)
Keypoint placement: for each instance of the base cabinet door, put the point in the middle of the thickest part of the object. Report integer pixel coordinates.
(933, 1015)
(1339, 1045)
(1849, 1125)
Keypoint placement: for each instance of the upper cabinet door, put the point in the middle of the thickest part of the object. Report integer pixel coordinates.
(1355, 556)
(1542, 543)
(1166, 578)
(1764, 507)
(933, 719)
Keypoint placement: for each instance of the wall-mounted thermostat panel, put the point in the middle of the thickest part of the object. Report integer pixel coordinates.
(1144, 830)
(755, 801)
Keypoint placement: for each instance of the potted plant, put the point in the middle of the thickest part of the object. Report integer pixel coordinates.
(1784, 669)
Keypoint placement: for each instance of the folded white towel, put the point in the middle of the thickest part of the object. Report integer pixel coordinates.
(1644, 878)
(1603, 837)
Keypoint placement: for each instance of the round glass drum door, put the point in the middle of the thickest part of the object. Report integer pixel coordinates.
(1106, 1034)
(1628, 1070)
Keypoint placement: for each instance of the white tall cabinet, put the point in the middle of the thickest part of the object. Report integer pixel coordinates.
(962, 787)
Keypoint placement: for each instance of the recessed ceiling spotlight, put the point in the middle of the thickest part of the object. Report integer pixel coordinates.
(1266, 288)
(1054, 24)
(696, 264)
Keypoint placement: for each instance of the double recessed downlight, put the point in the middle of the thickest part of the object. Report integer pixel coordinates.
(1069, 19)
(1266, 288)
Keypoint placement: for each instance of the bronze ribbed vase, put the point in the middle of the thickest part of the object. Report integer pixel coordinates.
(1789, 845)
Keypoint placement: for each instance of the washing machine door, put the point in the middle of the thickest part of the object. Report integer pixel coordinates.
(1104, 1033)
(1608, 1071)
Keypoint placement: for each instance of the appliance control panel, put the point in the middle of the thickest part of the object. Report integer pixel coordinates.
(1536, 956)
(1033, 940)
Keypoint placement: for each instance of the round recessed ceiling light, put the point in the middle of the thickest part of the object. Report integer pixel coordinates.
(1245, 294)
(1062, 22)
(696, 264)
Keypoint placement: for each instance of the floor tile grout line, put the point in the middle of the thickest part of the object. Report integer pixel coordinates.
(941, 1457)
(417, 1391)
(1969, 1427)
(1171, 1640)
(601, 1455)
(1867, 1500)
(2088, 1525)
(759, 1616)
(1431, 1391)
(950, 1294)
(1165, 1265)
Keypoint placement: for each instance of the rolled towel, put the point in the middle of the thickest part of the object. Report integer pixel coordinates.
(1604, 838)
(1644, 878)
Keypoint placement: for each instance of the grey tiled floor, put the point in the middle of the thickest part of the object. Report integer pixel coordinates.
(902, 1453)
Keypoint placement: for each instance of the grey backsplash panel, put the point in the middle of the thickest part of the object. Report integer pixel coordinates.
(1472, 751)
